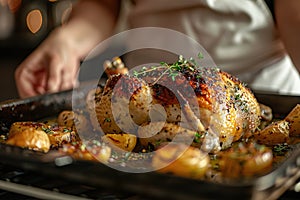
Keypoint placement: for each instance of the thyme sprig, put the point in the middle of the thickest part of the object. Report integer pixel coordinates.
(281, 149)
(47, 130)
(171, 69)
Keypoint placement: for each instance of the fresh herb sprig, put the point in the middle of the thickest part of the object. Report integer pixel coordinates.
(171, 69)
(281, 149)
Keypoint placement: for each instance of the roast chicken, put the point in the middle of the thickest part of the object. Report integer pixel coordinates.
(157, 103)
(193, 121)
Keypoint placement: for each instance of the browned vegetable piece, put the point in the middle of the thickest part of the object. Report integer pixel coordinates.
(275, 133)
(124, 141)
(181, 160)
(73, 120)
(245, 160)
(18, 127)
(66, 118)
(294, 121)
(59, 135)
(29, 135)
(95, 151)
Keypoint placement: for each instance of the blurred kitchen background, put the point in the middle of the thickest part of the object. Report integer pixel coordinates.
(23, 25)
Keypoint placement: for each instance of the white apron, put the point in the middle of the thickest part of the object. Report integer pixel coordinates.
(239, 35)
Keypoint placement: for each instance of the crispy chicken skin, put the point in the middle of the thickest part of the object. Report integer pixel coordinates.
(224, 105)
(125, 102)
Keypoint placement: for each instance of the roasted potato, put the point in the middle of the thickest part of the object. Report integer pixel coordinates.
(29, 135)
(59, 135)
(294, 121)
(18, 127)
(73, 120)
(181, 160)
(126, 142)
(275, 133)
(94, 151)
(245, 160)
(39, 136)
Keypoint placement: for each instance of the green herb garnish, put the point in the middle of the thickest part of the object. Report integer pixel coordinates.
(47, 130)
(200, 55)
(107, 120)
(281, 149)
(197, 137)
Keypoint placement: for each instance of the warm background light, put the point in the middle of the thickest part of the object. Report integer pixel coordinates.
(14, 5)
(34, 20)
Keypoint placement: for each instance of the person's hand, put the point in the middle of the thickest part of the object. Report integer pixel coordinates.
(52, 67)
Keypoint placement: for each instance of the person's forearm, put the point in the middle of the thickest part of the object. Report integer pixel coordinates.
(90, 22)
(287, 15)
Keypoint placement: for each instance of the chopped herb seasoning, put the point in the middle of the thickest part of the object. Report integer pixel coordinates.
(107, 120)
(197, 137)
(47, 130)
(200, 55)
(281, 149)
(66, 130)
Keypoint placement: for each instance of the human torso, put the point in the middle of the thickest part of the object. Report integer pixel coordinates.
(238, 34)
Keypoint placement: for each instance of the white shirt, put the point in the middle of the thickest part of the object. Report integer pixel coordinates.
(239, 35)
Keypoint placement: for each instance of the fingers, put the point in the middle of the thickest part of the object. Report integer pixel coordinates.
(54, 75)
(46, 71)
(69, 76)
(27, 78)
(30, 75)
(24, 83)
(62, 76)
(29, 84)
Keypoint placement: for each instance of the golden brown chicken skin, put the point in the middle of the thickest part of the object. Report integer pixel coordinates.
(224, 105)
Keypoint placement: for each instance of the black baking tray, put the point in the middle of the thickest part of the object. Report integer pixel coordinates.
(150, 184)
